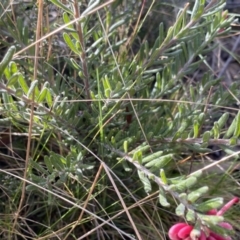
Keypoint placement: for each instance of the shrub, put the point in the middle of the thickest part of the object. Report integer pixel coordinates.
(105, 113)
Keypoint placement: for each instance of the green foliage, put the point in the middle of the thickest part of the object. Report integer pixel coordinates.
(112, 121)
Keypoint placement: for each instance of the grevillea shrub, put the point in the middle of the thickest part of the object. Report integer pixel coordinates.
(184, 231)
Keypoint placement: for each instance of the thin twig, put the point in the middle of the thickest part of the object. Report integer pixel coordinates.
(137, 28)
(210, 5)
(123, 204)
(15, 56)
(86, 201)
(83, 54)
(147, 172)
(38, 36)
(76, 205)
(225, 142)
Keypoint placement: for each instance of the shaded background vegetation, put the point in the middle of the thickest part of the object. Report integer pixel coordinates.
(156, 100)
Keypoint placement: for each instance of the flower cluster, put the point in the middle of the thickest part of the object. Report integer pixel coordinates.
(184, 231)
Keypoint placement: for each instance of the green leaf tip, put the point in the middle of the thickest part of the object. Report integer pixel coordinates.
(6, 59)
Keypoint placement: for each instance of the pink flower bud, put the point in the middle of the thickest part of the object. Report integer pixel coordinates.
(173, 231)
(202, 236)
(211, 238)
(212, 212)
(227, 206)
(219, 237)
(226, 225)
(185, 232)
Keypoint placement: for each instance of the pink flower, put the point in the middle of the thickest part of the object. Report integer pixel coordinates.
(184, 231)
(180, 231)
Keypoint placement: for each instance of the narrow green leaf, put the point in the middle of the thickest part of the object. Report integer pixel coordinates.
(161, 33)
(191, 215)
(180, 210)
(156, 44)
(169, 35)
(70, 44)
(49, 98)
(231, 129)
(179, 23)
(23, 84)
(222, 120)
(197, 174)
(237, 127)
(92, 4)
(137, 156)
(210, 204)
(46, 85)
(106, 82)
(13, 67)
(75, 64)
(163, 176)
(193, 196)
(38, 167)
(7, 73)
(113, 141)
(184, 184)
(32, 88)
(176, 180)
(211, 219)
(195, 129)
(125, 146)
(162, 198)
(42, 95)
(198, 9)
(108, 20)
(48, 164)
(209, 84)
(116, 25)
(183, 196)
(152, 156)
(145, 181)
(206, 137)
(56, 162)
(9, 103)
(216, 130)
(182, 128)
(201, 118)
(57, 100)
(31, 188)
(233, 141)
(107, 87)
(13, 80)
(66, 20)
(160, 162)
(6, 59)
(143, 148)
(62, 6)
(126, 167)
(6, 101)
